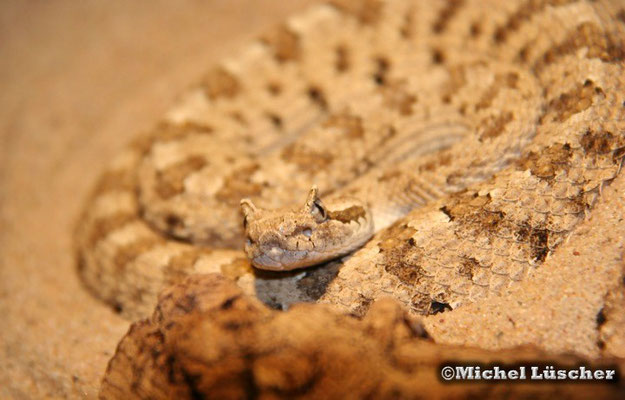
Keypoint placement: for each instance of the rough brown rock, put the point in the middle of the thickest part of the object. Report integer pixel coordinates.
(208, 340)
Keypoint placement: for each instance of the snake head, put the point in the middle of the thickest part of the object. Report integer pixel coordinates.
(297, 237)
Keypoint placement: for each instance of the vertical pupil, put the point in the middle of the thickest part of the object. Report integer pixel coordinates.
(320, 210)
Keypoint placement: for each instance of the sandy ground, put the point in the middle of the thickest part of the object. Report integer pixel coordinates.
(79, 79)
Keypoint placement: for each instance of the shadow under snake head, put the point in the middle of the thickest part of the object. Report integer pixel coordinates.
(290, 238)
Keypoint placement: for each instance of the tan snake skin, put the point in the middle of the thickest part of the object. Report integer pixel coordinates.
(496, 122)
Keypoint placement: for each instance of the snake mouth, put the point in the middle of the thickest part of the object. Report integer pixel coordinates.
(286, 260)
(267, 263)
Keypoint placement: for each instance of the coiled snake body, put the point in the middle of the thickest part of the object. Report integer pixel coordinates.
(472, 136)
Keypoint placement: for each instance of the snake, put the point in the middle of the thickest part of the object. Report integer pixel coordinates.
(434, 151)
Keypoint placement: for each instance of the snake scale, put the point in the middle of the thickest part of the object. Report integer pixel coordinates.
(472, 136)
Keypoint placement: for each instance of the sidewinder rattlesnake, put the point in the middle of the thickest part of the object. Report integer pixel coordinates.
(479, 133)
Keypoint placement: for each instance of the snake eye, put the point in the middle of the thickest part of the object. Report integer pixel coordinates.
(307, 232)
(314, 205)
(318, 211)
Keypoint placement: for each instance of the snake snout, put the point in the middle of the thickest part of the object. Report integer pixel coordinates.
(270, 240)
(287, 227)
